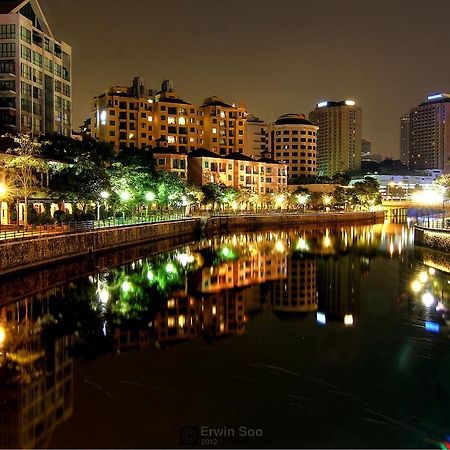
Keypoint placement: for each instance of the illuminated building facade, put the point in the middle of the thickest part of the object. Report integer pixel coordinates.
(223, 126)
(35, 72)
(430, 134)
(339, 136)
(293, 141)
(123, 116)
(256, 137)
(405, 133)
(168, 159)
(236, 170)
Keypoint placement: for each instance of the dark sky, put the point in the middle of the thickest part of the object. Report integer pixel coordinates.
(275, 56)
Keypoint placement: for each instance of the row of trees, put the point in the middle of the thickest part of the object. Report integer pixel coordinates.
(88, 173)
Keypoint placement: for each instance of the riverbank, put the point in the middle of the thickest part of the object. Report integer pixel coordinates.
(433, 238)
(27, 254)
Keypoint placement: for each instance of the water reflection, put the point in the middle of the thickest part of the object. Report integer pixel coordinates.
(209, 290)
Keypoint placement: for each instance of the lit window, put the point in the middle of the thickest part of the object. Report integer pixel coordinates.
(214, 130)
(171, 120)
(181, 121)
(191, 139)
(103, 117)
(222, 114)
(171, 139)
(150, 118)
(171, 322)
(131, 136)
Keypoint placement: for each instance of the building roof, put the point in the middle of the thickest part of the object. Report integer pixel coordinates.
(269, 161)
(165, 151)
(203, 153)
(173, 100)
(239, 157)
(292, 120)
(214, 101)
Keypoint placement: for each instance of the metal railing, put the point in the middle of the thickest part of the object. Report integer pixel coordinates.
(434, 223)
(35, 231)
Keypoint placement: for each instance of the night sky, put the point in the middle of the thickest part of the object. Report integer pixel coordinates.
(274, 56)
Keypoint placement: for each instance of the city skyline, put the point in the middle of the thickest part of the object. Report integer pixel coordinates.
(373, 47)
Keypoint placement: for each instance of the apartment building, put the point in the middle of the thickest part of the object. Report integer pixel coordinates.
(339, 136)
(168, 159)
(429, 146)
(123, 116)
(256, 136)
(35, 72)
(293, 141)
(236, 170)
(223, 126)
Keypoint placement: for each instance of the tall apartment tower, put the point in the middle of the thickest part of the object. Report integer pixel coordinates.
(293, 140)
(35, 72)
(223, 126)
(256, 134)
(339, 136)
(123, 116)
(430, 134)
(405, 138)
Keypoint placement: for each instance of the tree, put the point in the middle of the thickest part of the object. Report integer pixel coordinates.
(367, 192)
(340, 178)
(23, 162)
(213, 192)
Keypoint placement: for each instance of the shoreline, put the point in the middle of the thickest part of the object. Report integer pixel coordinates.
(19, 256)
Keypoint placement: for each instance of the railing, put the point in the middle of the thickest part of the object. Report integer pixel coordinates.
(433, 223)
(36, 231)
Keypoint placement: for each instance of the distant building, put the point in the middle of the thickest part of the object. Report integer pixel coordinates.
(366, 146)
(430, 134)
(236, 170)
(293, 141)
(405, 132)
(339, 136)
(256, 135)
(222, 126)
(35, 72)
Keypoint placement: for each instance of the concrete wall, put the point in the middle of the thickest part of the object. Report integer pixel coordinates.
(226, 224)
(26, 254)
(30, 253)
(434, 239)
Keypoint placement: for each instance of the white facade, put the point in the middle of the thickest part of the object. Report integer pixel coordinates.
(35, 72)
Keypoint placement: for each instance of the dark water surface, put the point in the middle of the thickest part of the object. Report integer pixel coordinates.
(304, 338)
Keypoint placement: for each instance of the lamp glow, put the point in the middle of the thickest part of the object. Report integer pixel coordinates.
(150, 196)
(321, 318)
(104, 195)
(416, 286)
(348, 320)
(2, 335)
(125, 196)
(427, 299)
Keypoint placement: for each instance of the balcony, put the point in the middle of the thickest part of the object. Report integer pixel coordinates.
(7, 75)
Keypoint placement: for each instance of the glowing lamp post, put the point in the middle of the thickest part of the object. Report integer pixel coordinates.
(149, 198)
(3, 193)
(104, 196)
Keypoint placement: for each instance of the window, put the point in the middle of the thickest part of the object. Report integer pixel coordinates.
(26, 104)
(7, 67)
(25, 88)
(206, 164)
(26, 121)
(58, 86)
(37, 93)
(25, 71)
(37, 76)
(58, 70)
(8, 50)
(171, 120)
(37, 59)
(25, 52)
(25, 35)
(48, 65)
(7, 31)
(7, 85)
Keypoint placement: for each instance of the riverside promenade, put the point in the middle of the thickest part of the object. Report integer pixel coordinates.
(30, 251)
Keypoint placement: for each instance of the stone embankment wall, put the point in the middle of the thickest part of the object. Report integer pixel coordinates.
(26, 254)
(432, 238)
(228, 224)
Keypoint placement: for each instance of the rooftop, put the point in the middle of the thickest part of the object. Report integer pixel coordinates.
(292, 119)
(203, 153)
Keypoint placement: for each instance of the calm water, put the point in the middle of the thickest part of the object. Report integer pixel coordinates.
(304, 338)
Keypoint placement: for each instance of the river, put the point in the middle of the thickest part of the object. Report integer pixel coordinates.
(330, 337)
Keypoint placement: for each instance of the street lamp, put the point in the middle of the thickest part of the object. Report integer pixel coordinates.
(3, 193)
(104, 195)
(124, 197)
(303, 199)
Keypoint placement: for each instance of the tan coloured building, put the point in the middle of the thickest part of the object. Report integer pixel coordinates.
(339, 136)
(35, 72)
(223, 126)
(256, 137)
(168, 159)
(176, 120)
(236, 170)
(293, 141)
(123, 116)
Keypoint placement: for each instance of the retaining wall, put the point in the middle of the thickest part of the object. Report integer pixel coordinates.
(432, 238)
(26, 254)
(227, 224)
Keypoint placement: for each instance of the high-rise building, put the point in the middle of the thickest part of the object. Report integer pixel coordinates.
(176, 120)
(256, 134)
(430, 134)
(339, 136)
(404, 138)
(35, 72)
(366, 146)
(223, 126)
(293, 140)
(123, 116)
